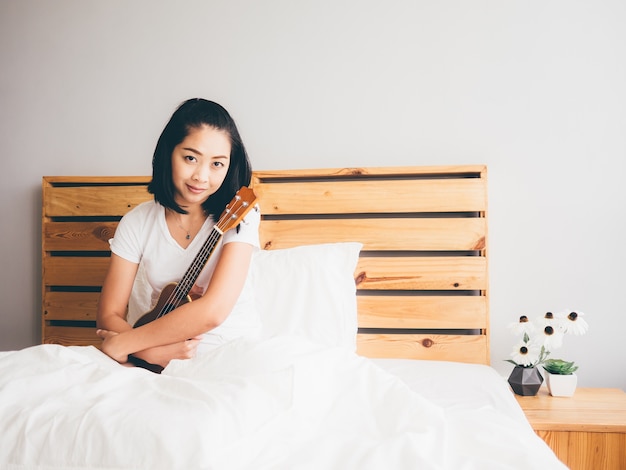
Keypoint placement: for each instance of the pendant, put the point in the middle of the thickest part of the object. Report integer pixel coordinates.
(188, 237)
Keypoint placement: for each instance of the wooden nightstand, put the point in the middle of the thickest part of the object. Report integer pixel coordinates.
(586, 431)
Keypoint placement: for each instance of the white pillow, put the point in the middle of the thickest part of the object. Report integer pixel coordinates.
(308, 291)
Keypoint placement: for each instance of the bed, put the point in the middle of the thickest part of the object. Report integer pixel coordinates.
(372, 287)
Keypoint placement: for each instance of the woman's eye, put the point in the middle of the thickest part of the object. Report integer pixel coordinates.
(190, 158)
(218, 164)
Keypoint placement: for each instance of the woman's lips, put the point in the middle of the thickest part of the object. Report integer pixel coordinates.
(195, 190)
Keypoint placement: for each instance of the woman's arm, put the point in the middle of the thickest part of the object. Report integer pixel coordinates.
(116, 290)
(187, 321)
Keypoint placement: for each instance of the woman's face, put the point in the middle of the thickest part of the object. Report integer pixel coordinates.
(199, 165)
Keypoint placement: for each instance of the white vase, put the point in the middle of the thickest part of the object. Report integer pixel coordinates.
(561, 385)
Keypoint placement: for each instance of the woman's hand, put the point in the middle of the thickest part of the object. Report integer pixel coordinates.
(162, 355)
(109, 340)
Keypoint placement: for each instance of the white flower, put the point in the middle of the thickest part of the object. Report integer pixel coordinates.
(572, 322)
(523, 326)
(548, 320)
(525, 354)
(551, 337)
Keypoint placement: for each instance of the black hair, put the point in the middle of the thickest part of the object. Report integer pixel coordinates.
(193, 114)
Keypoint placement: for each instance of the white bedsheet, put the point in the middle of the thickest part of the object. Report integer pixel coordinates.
(282, 403)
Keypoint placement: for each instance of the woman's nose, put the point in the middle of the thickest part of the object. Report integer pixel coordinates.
(202, 173)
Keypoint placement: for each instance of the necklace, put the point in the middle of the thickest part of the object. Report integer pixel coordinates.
(188, 236)
(194, 221)
(183, 229)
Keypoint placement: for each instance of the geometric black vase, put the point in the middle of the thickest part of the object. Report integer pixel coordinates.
(525, 381)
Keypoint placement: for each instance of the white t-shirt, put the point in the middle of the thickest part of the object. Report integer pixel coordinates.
(143, 237)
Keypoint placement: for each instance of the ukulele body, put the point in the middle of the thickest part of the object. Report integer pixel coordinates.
(164, 305)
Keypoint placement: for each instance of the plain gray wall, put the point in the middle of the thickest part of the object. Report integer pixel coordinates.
(533, 89)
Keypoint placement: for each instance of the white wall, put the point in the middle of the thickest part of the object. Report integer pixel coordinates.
(533, 89)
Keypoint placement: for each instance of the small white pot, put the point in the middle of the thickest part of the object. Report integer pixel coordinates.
(561, 385)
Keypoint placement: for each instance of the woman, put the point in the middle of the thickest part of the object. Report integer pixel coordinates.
(199, 164)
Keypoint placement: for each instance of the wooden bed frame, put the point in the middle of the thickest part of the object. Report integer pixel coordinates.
(422, 283)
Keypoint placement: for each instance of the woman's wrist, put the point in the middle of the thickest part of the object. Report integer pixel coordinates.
(113, 345)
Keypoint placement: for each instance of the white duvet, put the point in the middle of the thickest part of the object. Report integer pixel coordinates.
(283, 403)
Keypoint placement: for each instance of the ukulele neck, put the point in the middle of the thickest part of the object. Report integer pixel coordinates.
(191, 275)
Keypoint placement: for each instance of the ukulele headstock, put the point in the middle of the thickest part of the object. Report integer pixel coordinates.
(237, 209)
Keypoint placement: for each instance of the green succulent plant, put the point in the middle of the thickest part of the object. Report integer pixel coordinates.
(559, 367)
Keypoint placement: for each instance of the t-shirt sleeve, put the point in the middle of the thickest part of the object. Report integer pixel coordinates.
(125, 243)
(248, 231)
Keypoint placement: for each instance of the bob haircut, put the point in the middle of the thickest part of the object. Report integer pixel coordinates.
(193, 114)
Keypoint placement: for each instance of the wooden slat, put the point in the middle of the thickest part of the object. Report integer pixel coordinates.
(90, 201)
(422, 273)
(74, 271)
(77, 236)
(390, 171)
(459, 348)
(70, 305)
(384, 196)
(425, 312)
(93, 180)
(378, 234)
(71, 335)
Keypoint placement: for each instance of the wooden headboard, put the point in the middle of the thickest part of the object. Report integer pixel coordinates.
(422, 284)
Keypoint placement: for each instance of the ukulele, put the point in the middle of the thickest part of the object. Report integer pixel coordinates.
(175, 294)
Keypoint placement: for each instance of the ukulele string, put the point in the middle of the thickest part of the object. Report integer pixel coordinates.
(182, 289)
(198, 264)
(204, 254)
(200, 261)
